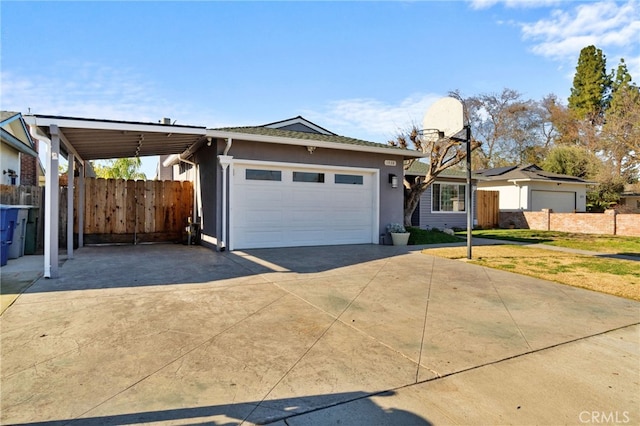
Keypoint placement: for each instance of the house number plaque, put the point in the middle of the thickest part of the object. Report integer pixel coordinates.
(389, 162)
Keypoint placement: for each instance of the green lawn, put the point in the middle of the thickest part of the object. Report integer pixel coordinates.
(421, 236)
(629, 246)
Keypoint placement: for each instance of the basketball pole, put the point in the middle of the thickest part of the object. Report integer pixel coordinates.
(468, 194)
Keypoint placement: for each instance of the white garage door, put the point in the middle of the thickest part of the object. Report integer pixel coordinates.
(559, 202)
(284, 206)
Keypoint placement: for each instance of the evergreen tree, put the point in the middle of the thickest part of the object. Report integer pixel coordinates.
(621, 131)
(591, 85)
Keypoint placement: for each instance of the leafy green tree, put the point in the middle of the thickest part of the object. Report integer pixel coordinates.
(573, 161)
(605, 194)
(591, 85)
(621, 132)
(121, 168)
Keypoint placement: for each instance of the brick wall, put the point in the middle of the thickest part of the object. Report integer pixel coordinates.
(29, 168)
(586, 223)
(525, 220)
(608, 223)
(628, 224)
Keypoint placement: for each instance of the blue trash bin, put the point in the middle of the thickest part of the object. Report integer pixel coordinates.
(9, 216)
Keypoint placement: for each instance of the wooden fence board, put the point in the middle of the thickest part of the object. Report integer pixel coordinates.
(140, 203)
(120, 223)
(130, 205)
(158, 205)
(487, 209)
(149, 207)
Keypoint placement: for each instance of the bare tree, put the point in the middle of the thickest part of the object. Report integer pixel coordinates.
(442, 153)
(512, 130)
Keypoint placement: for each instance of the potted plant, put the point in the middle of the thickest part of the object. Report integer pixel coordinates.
(399, 234)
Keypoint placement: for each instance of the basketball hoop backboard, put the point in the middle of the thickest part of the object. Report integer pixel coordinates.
(445, 115)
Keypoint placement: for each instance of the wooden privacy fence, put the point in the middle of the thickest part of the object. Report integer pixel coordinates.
(21, 194)
(488, 209)
(127, 211)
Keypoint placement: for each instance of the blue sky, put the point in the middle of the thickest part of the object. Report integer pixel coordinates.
(360, 69)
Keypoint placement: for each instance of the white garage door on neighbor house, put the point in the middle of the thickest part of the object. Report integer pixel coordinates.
(280, 205)
(558, 201)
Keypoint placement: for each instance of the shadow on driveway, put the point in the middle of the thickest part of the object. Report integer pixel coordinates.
(259, 412)
(101, 267)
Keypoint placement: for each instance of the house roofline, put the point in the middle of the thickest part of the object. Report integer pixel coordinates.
(568, 182)
(310, 142)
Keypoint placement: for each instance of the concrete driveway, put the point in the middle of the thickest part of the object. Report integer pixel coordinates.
(170, 334)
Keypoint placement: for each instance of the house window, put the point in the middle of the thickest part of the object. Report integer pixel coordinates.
(447, 197)
(256, 174)
(349, 179)
(308, 177)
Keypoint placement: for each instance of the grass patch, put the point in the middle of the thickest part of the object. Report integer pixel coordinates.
(611, 276)
(612, 244)
(422, 236)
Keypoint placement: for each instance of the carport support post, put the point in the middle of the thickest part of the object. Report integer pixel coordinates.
(81, 205)
(224, 161)
(51, 206)
(70, 188)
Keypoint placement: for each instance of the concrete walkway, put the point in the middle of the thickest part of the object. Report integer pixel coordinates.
(321, 335)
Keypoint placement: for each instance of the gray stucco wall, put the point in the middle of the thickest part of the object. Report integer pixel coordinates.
(391, 200)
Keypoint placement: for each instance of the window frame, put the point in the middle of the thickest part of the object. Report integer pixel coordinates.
(462, 191)
(271, 171)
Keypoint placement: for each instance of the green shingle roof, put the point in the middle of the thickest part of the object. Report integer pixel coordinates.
(267, 131)
(418, 168)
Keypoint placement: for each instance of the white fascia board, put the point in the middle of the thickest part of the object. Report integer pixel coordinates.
(516, 181)
(108, 125)
(311, 142)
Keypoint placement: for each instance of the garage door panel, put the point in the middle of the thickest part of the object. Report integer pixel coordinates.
(262, 238)
(558, 201)
(287, 213)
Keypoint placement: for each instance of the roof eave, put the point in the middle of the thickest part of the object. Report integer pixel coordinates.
(14, 142)
(77, 123)
(568, 182)
(310, 142)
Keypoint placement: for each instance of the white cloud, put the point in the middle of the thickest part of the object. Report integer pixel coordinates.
(611, 26)
(89, 91)
(371, 119)
(486, 4)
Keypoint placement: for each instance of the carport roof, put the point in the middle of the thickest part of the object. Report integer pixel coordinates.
(94, 139)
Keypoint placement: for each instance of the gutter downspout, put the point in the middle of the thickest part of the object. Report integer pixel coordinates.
(224, 161)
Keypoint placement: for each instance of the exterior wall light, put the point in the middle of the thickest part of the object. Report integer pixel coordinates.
(393, 180)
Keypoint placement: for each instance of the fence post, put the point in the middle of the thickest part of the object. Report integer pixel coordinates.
(547, 218)
(613, 214)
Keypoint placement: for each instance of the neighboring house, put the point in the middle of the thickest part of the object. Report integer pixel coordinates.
(18, 153)
(292, 183)
(443, 204)
(530, 188)
(629, 202)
